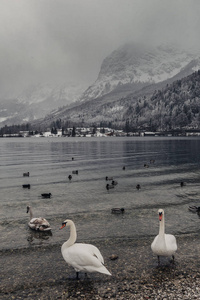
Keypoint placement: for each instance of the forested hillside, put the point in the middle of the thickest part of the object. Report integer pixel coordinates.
(173, 107)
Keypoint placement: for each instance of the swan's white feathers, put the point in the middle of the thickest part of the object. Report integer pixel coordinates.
(82, 257)
(164, 247)
(163, 244)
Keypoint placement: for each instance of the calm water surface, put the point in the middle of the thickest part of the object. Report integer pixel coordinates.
(85, 198)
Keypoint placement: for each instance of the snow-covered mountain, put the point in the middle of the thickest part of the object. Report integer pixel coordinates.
(130, 70)
(134, 64)
(37, 101)
(128, 74)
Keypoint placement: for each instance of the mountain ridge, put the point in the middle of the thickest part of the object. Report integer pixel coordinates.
(112, 106)
(137, 64)
(127, 73)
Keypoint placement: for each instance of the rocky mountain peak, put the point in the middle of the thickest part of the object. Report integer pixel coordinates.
(136, 63)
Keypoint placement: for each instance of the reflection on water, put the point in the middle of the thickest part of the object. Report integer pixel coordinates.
(85, 198)
(38, 235)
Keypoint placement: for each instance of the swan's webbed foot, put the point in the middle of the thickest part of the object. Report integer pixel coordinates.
(173, 259)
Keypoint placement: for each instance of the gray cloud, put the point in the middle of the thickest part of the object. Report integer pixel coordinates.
(66, 40)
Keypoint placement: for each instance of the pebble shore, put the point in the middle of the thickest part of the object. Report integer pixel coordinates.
(41, 273)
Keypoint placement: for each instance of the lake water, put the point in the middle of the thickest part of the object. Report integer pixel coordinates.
(85, 198)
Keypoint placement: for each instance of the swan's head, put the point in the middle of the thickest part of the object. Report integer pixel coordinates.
(28, 208)
(160, 214)
(66, 223)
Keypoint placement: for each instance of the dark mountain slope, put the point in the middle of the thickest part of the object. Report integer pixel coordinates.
(174, 107)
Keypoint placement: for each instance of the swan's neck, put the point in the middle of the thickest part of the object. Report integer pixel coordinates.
(72, 237)
(31, 213)
(162, 227)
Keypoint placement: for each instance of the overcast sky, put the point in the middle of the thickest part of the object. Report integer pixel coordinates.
(67, 40)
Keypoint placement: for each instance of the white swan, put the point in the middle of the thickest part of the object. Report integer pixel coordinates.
(82, 257)
(163, 244)
(40, 224)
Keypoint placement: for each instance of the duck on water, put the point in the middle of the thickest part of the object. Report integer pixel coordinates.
(26, 174)
(117, 210)
(26, 186)
(46, 195)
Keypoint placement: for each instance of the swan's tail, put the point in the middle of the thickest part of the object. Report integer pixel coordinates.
(104, 271)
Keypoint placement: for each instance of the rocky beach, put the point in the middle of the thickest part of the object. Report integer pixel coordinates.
(41, 273)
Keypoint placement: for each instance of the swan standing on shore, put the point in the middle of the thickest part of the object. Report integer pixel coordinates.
(40, 224)
(82, 257)
(163, 244)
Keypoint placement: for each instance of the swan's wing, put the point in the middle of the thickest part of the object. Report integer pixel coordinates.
(95, 252)
(39, 221)
(82, 255)
(153, 244)
(39, 224)
(159, 246)
(171, 242)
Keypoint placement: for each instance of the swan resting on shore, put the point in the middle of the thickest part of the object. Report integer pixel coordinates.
(163, 244)
(82, 257)
(39, 224)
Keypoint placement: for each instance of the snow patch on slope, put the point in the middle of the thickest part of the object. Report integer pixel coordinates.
(137, 64)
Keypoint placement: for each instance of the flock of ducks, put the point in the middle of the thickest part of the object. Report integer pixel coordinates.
(113, 182)
(86, 257)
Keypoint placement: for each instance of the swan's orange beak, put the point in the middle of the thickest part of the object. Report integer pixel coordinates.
(160, 216)
(63, 225)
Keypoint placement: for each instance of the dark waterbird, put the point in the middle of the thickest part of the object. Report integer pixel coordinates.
(26, 174)
(70, 177)
(109, 186)
(146, 165)
(109, 178)
(46, 195)
(138, 186)
(114, 182)
(117, 210)
(26, 186)
(75, 172)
